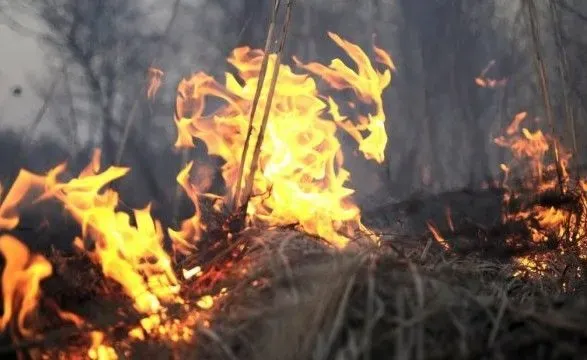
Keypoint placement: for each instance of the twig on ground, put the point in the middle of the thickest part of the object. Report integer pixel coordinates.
(339, 319)
(214, 337)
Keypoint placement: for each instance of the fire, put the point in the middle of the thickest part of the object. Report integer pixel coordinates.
(131, 255)
(437, 236)
(21, 281)
(191, 228)
(301, 182)
(100, 351)
(483, 81)
(155, 79)
(301, 178)
(560, 226)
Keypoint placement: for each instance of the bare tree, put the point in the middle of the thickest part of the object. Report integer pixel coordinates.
(105, 41)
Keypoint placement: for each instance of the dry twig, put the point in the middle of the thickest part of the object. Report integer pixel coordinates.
(262, 73)
(543, 79)
(255, 160)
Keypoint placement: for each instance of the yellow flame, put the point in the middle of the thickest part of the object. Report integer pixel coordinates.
(21, 283)
(131, 255)
(100, 351)
(301, 178)
(183, 240)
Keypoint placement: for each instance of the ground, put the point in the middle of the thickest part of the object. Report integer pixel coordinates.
(294, 297)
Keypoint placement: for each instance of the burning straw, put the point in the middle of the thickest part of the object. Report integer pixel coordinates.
(295, 179)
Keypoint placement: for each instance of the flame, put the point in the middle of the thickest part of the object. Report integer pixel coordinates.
(21, 281)
(540, 176)
(191, 229)
(100, 351)
(206, 302)
(24, 183)
(437, 236)
(131, 255)
(483, 81)
(301, 181)
(301, 178)
(155, 78)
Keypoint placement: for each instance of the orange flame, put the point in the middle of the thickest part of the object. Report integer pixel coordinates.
(301, 181)
(21, 281)
(436, 234)
(155, 79)
(191, 228)
(131, 255)
(100, 351)
(529, 150)
(483, 81)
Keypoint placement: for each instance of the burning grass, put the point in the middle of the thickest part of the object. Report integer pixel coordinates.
(281, 266)
(292, 297)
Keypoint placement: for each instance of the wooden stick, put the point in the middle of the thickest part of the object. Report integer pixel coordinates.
(563, 68)
(259, 144)
(263, 71)
(542, 77)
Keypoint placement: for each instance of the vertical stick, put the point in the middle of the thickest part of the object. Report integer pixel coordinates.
(542, 77)
(259, 144)
(263, 71)
(179, 191)
(563, 68)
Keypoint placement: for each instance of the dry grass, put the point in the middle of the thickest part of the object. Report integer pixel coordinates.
(300, 299)
(373, 303)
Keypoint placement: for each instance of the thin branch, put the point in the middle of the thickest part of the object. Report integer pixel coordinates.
(135, 105)
(267, 110)
(542, 77)
(40, 115)
(263, 71)
(563, 67)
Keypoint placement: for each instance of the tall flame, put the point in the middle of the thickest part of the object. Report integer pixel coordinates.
(21, 281)
(301, 178)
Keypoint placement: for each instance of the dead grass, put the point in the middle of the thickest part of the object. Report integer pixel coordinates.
(374, 303)
(300, 299)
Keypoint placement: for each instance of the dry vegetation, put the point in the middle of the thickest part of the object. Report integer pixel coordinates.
(412, 300)
(292, 296)
(300, 299)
